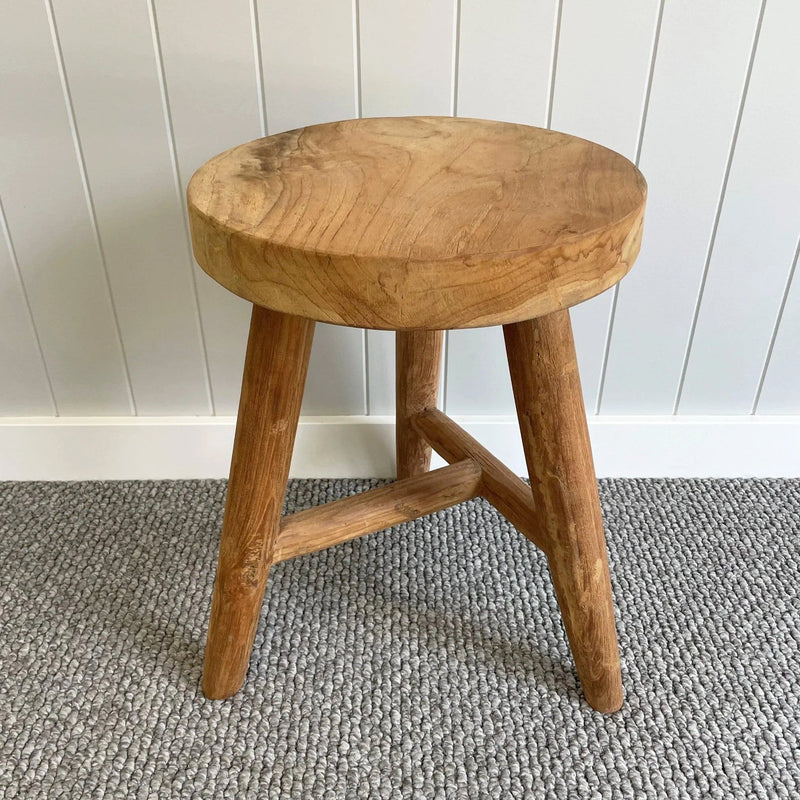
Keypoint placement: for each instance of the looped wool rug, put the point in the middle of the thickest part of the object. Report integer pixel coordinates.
(425, 661)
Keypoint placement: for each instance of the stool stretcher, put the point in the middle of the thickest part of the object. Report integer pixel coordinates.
(351, 517)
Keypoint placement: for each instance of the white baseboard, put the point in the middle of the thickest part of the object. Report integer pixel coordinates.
(112, 448)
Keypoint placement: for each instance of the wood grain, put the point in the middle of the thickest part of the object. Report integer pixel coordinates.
(418, 364)
(272, 388)
(341, 520)
(500, 486)
(555, 436)
(417, 222)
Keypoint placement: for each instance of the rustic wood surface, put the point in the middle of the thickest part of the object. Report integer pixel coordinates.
(417, 222)
(555, 436)
(418, 361)
(499, 485)
(341, 520)
(272, 389)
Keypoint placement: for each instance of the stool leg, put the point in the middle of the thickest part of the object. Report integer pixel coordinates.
(272, 389)
(547, 392)
(418, 360)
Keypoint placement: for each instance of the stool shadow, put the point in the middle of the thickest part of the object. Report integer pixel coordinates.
(453, 632)
(174, 642)
(170, 636)
(163, 638)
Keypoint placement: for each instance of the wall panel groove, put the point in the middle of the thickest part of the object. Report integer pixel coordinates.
(587, 326)
(210, 59)
(76, 138)
(181, 197)
(109, 108)
(779, 385)
(365, 378)
(259, 66)
(456, 57)
(309, 73)
(607, 53)
(406, 68)
(691, 115)
(717, 215)
(453, 112)
(505, 68)
(50, 224)
(554, 64)
(775, 331)
(357, 56)
(119, 113)
(757, 233)
(21, 355)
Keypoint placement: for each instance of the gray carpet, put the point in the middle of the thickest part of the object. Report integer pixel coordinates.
(427, 661)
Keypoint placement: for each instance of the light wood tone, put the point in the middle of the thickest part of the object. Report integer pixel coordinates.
(555, 436)
(418, 365)
(272, 389)
(500, 486)
(351, 517)
(417, 222)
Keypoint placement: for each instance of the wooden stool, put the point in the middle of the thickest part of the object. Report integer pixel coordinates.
(418, 225)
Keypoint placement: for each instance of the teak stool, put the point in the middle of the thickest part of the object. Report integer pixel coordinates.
(417, 225)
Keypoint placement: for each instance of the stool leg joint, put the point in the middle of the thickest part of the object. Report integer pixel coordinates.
(500, 486)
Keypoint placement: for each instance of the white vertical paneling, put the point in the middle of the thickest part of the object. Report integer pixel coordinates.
(107, 109)
(604, 56)
(24, 388)
(51, 224)
(757, 233)
(700, 71)
(307, 53)
(406, 57)
(780, 390)
(406, 69)
(335, 383)
(605, 52)
(380, 372)
(308, 56)
(213, 89)
(477, 373)
(506, 57)
(113, 75)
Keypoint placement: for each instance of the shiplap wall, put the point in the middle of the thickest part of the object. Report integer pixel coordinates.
(107, 108)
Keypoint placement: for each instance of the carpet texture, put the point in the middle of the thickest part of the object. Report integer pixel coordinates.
(426, 661)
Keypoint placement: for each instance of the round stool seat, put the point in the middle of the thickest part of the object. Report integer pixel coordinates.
(417, 222)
